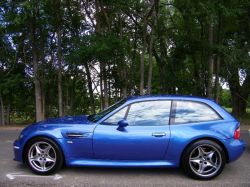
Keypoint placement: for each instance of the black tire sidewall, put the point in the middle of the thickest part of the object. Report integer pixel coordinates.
(59, 155)
(188, 151)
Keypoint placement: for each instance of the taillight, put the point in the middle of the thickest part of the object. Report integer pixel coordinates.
(237, 133)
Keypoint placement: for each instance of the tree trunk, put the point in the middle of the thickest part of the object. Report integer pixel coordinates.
(43, 62)
(98, 21)
(162, 58)
(149, 13)
(2, 110)
(239, 104)
(35, 66)
(91, 95)
(143, 56)
(59, 71)
(197, 90)
(105, 15)
(101, 86)
(211, 59)
(72, 96)
(106, 99)
(249, 18)
(124, 83)
(59, 57)
(8, 110)
(162, 64)
(217, 79)
(239, 94)
(124, 70)
(151, 43)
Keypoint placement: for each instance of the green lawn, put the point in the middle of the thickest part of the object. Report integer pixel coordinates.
(245, 118)
(228, 109)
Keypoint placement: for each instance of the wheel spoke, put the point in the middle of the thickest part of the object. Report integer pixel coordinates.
(202, 167)
(38, 149)
(205, 160)
(195, 160)
(211, 164)
(200, 151)
(35, 158)
(47, 149)
(42, 164)
(42, 156)
(50, 159)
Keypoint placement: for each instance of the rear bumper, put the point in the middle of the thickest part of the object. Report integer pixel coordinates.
(235, 148)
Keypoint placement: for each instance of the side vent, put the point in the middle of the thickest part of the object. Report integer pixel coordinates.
(74, 135)
(85, 135)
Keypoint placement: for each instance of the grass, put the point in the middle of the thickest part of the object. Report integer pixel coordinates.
(228, 109)
(243, 119)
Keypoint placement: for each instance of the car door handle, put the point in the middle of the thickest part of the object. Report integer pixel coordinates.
(159, 134)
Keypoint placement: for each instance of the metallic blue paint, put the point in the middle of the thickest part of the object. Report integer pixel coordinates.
(123, 163)
(85, 143)
(111, 144)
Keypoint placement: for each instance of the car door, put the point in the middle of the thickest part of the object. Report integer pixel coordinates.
(145, 138)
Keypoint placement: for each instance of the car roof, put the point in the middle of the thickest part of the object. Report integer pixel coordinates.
(185, 97)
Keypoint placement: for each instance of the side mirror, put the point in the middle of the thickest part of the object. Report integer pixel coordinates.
(123, 123)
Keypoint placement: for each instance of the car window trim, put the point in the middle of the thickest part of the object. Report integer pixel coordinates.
(173, 113)
(128, 109)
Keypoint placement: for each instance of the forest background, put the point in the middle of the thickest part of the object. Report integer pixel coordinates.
(75, 57)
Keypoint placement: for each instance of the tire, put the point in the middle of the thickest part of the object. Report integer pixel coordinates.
(43, 156)
(204, 160)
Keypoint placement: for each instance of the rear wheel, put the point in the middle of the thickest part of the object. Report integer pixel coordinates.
(43, 155)
(204, 159)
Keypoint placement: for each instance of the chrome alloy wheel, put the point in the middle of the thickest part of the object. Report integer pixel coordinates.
(42, 156)
(205, 160)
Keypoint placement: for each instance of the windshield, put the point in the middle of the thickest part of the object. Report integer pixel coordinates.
(96, 117)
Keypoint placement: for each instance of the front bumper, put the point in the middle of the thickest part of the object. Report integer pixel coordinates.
(18, 154)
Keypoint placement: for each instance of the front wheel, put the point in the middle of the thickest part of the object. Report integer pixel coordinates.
(43, 155)
(204, 159)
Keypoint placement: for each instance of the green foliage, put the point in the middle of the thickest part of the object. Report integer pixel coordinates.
(225, 99)
(111, 36)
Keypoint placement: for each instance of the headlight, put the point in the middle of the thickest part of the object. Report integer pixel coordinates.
(19, 137)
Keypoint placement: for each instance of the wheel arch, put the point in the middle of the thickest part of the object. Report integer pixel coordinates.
(206, 138)
(42, 136)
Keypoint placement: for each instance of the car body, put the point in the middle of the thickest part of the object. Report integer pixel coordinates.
(141, 131)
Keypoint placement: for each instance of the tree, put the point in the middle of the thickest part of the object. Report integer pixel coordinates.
(89, 54)
(57, 8)
(236, 55)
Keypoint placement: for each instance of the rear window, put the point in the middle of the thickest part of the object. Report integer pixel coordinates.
(192, 112)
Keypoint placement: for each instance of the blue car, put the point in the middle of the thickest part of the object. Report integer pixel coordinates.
(142, 131)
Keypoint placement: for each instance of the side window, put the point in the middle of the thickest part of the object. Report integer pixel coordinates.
(191, 112)
(150, 113)
(114, 119)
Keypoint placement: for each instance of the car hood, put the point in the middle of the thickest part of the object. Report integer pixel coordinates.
(55, 127)
(67, 120)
